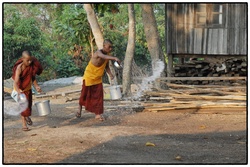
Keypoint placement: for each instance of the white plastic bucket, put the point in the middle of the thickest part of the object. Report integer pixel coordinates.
(115, 92)
(43, 108)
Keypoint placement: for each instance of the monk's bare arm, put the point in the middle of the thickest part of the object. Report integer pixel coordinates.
(17, 79)
(107, 57)
(38, 88)
(109, 71)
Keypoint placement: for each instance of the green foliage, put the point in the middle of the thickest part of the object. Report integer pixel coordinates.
(72, 25)
(50, 32)
(67, 68)
(19, 34)
(119, 33)
(115, 29)
(100, 9)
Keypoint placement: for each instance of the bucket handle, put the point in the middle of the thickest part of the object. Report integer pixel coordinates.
(113, 82)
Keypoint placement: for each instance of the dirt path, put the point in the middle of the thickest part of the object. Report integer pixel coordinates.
(192, 138)
(179, 136)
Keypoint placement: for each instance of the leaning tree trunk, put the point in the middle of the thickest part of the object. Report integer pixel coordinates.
(94, 25)
(152, 37)
(96, 30)
(129, 52)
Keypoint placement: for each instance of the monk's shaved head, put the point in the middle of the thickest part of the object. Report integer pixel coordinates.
(26, 53)
(26, 57)
(107, 41)
(107, 46)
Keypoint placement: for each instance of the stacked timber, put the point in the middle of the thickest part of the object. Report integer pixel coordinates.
(233, 67)
(196, 97)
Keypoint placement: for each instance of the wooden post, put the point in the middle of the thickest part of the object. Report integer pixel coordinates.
(170, 65)
(180, 60)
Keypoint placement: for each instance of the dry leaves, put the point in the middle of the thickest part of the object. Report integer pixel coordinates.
(178, 158)
(150, 144)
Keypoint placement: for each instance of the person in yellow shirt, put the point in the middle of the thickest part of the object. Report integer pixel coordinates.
(92, 89)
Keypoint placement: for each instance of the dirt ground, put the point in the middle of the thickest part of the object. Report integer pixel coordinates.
(180, 137)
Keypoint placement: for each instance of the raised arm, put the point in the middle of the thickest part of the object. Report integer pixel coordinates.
(107, 57)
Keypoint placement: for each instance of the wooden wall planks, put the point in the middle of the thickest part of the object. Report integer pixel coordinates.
(183, 36)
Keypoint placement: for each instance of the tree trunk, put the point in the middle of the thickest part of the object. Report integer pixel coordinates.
(94, 25)
(152, 36)
(96, 30)
(129, 52)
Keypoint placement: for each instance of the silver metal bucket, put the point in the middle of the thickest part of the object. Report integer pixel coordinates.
(43, 108)
(115, 92)
(119, 66)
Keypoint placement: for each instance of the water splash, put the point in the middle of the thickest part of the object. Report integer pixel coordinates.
(158, 67)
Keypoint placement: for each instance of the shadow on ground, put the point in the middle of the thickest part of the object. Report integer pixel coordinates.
(203, 148)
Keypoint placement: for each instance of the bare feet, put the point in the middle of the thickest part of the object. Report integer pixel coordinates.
(25, 129)
(99, 118)
(78, 115)
(28, 120)
(24, 124)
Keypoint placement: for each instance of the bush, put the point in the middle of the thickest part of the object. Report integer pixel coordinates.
(66, 68)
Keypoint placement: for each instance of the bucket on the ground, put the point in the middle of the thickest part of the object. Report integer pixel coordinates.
(115, 92)
(43, 107)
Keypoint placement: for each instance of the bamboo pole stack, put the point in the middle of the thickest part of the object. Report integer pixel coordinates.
(196, 97)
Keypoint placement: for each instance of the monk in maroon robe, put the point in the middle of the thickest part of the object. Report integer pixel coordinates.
(24, 75)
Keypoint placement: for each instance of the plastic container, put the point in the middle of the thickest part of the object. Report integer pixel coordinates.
(23, 102)
(12, 108)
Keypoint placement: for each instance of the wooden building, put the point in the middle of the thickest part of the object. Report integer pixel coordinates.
(205, 30)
